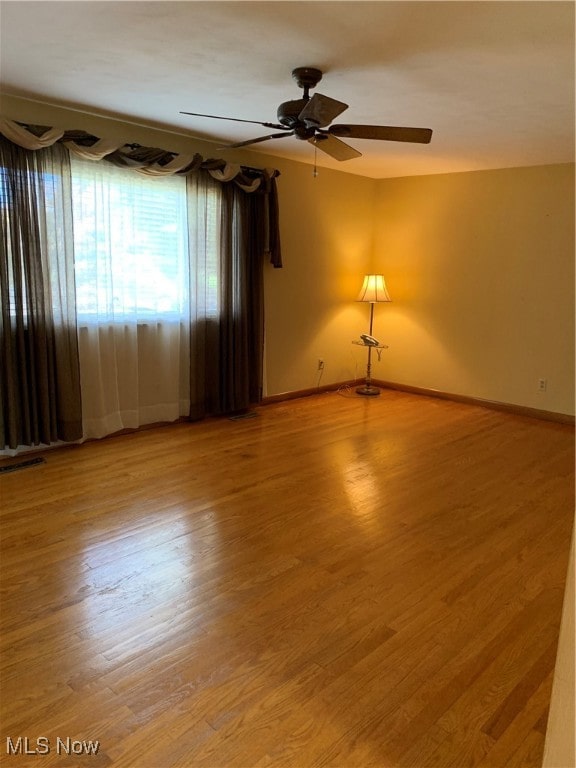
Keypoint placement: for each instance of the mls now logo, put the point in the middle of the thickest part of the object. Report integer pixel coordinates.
(42, 746)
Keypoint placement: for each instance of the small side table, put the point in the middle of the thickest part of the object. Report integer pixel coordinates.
(367, 388)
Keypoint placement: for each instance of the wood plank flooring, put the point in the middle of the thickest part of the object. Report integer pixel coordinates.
(339, 581)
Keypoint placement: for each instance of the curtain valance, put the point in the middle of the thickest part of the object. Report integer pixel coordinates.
(148, 160)
(152, 161)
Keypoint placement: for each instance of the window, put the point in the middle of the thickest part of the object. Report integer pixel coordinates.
(130, 244)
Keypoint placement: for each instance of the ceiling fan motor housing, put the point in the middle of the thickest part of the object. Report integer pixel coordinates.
(289, 111)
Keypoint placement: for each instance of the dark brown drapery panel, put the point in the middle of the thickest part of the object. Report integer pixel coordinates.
(39, 370)
(227, 341)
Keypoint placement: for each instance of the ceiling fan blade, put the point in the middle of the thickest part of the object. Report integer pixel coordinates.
(382, 133)
(256, 141)
(337, 149)
(236, 120)
(321, 110)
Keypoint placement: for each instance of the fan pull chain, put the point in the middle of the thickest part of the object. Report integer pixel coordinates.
(315, 171)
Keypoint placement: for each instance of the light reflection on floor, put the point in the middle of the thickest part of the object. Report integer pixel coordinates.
(363, 476)
(131, 576)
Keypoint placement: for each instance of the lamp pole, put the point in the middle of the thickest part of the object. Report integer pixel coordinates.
(367, 388)
(369, 366)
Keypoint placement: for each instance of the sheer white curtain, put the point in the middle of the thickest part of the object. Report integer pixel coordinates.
(132, 284)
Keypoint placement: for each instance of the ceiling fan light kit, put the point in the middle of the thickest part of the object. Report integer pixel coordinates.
(309, 119)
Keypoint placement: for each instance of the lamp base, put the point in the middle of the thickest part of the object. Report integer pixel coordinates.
(368, 390)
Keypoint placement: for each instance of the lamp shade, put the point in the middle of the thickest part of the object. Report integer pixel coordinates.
(373, 289)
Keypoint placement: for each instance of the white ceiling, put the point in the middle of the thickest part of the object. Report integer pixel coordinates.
(494, 80)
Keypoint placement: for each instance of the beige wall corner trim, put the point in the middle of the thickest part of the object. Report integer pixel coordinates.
(519, 410)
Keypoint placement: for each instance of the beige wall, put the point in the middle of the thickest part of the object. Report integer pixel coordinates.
(326, 225)
(481, 268)
(479, 265)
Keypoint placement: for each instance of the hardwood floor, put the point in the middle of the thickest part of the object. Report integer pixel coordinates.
(339, 581)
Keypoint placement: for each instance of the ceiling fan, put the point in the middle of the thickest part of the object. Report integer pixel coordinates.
(307, 119)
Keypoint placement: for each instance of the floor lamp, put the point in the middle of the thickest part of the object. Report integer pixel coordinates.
(373, 290)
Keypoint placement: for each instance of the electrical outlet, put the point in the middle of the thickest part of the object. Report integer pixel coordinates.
(320, 364)
(542, 384)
